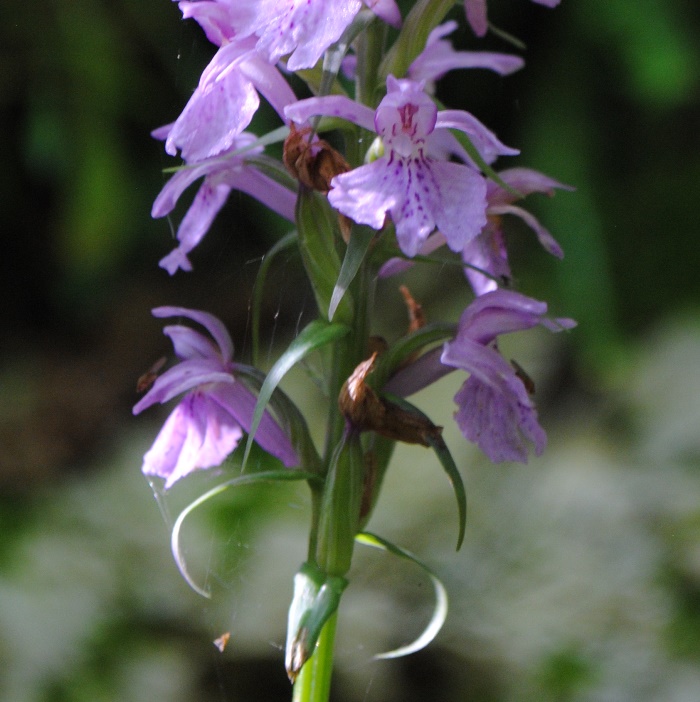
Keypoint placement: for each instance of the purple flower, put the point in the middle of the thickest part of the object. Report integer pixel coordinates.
(225, 101)
(476, 13)
(419, 190)
(495, 410)
(209, 421)
(222, 174)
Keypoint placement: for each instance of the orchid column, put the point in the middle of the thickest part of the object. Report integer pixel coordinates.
(413, 185)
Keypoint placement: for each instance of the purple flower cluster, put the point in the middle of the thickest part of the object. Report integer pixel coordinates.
(418, 178)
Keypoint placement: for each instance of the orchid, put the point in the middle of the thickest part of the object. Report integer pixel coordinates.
(476, 13)
(209, 421)
(221, 173)
(419, 191)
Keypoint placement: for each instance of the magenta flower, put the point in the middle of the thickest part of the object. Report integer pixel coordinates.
(476, 13)
(209, 421)
(222, 173)
(419, 191)
(495, 410)
(225, 101)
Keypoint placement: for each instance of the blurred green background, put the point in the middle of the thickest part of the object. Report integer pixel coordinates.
(580, 575)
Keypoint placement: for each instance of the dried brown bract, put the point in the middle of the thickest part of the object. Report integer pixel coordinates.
(313, 163)
(367, 411)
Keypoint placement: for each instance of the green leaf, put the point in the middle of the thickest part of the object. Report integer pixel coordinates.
(248, 479)
(360, 239)
(317, 224)
(441, 606)
(437, 443)
(317, 334)
(288, 413)
(285, 242)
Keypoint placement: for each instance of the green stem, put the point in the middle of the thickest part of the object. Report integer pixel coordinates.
(314, 681)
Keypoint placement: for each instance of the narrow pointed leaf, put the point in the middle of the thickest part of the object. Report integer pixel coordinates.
(289, 414)
(317, 224)
(360, 239)
(248, 479)
(317, 334)
(441, 604)
(438, 445)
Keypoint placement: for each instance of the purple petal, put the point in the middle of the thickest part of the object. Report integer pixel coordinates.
(386, 10)
(207, 203)
(548, 3)
(549, 243)
(424, 371)
(190, 344)
(439, 57)
(524, 181)
(486, 142)
(461, 213)
(219, 110)
(499, 423)
(213, 325)
(175, 261)
(476, 16)
(268, 81)
(499, 312)
(366, 193)
(198, 434)
(218, 20)
(305, 28)
(488, 252)
(240, 402)
(185, 376)
(331, 106)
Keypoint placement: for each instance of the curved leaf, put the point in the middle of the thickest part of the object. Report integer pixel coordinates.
(313, 336)
(360, 239)
(441, 605)
(437, 443)
(267, 476)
